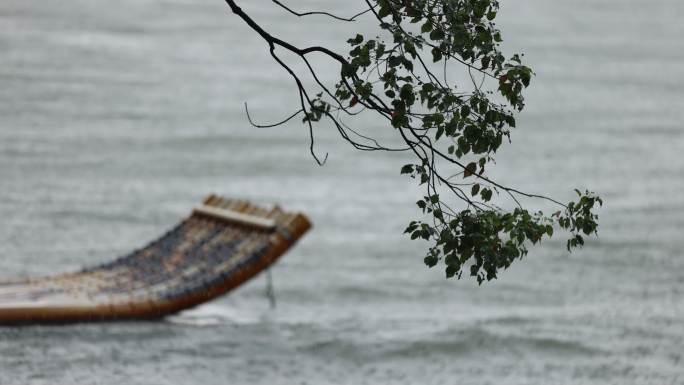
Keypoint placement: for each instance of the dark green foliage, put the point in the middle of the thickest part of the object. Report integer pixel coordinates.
(481, 236)
(452, 130)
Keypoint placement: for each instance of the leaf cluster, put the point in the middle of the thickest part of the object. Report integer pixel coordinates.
(452, 130)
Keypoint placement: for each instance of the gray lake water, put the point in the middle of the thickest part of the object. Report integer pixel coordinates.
(117, 117)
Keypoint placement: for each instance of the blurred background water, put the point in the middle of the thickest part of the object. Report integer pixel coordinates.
(117, 117)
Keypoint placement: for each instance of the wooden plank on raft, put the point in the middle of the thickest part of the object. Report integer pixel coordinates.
(236, 217)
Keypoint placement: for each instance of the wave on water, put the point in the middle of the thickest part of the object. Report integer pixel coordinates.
(461, 341)
(215, 314)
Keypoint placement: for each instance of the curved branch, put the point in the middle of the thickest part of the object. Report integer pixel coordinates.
(249, 118)
(271, 40)
(309, 13)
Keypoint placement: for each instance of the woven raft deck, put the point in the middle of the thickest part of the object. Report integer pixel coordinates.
(223, 244)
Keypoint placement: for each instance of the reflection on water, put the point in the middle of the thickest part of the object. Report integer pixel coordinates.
(115, 118)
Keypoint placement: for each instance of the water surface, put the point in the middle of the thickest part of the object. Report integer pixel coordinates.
(117, 117)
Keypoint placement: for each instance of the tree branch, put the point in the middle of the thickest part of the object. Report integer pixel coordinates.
(309, 13)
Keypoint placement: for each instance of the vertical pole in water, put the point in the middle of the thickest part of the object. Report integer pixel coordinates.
(269, 289)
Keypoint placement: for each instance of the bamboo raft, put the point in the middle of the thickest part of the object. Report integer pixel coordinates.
(222, 244)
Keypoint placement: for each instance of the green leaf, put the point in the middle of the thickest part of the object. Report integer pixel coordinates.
(486, 194)
(437, 34)
(440, 131)
(436, 54)
(357, 40)
(384, 10)
(407, 169)
(431, 260)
